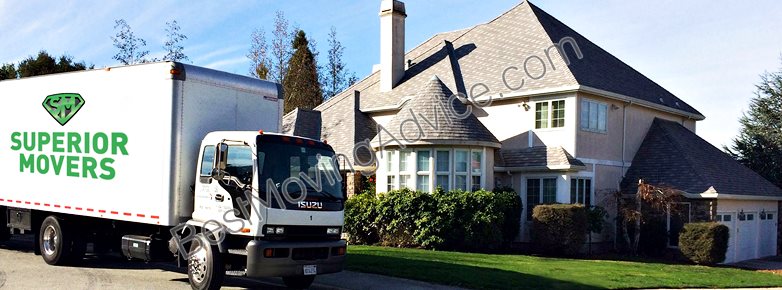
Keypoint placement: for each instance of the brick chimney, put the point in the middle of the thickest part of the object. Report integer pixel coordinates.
(392, 43)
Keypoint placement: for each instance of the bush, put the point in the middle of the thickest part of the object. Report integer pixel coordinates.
(559, 229)
(704, 243)
(455, 220)
(360, 216)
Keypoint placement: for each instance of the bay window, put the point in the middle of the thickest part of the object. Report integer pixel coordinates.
(460, 170)
(443, 169)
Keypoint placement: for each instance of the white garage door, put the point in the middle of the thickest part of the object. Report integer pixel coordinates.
(729, 220)
(768, 234)
(746, 237)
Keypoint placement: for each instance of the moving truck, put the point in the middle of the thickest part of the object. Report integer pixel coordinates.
(168, 161)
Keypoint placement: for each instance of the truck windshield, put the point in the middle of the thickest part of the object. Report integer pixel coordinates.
(282, 158)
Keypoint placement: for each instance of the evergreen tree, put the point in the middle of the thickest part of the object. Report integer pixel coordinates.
(7, 71)
(44, 64)
(300, 85)
(759, 144)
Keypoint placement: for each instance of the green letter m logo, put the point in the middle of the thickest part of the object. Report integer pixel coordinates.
(63, 107)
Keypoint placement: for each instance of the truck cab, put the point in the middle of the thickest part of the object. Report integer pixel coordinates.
(265, 205)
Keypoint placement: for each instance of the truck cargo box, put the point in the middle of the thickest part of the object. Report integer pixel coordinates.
(121, 143)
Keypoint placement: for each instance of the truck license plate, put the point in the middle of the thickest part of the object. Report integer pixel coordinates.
(310, 269)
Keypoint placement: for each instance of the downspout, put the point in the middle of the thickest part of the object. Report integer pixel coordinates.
(624, 142)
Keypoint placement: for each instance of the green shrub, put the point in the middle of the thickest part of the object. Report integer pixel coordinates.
(360, 216)
(455, 220)
(704, 243)
(398, 216)
(559, 229)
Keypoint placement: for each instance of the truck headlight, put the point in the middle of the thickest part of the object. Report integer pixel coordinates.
(332, 231)
(275, 230)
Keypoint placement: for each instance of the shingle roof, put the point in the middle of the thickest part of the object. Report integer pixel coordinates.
(429, 118)
(301, 122)
(484, 51)
(674, 156)
(536, 157)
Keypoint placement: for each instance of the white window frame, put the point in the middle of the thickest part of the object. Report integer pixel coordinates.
(480, 170)
(585, 127)
(448, 173)
(527, 208)
(550, 115)
(409, 171)
(466, 172)
(424, 171)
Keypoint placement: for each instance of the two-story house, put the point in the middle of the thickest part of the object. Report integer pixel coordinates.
(524, 101)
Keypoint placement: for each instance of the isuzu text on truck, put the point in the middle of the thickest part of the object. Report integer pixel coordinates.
(168, 160)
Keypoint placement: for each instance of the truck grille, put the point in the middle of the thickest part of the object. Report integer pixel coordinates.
(310, 253)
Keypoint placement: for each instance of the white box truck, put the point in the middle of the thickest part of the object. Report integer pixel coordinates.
(168, 160)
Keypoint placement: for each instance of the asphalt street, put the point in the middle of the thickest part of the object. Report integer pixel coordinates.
(21, 269)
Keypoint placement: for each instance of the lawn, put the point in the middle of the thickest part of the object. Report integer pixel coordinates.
(489, 271)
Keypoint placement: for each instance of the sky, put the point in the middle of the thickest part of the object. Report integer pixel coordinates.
(708, 53)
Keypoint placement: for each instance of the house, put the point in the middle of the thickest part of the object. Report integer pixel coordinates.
(525, 101)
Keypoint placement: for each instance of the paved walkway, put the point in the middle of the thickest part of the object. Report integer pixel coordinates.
(773, 263)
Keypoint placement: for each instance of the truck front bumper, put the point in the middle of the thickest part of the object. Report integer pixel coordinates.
(290, 258)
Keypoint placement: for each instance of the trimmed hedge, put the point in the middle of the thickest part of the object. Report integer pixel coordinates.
(455, 220)
(705, 242)
(559, 229)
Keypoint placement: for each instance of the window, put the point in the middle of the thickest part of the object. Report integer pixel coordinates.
(389, 161)
(557, 114)
(404, 161)
(404, 181)
(240, 162)
(460, 161)
(442, 181)
(423, 161)
(581, 191)
(207, 160)
(391, 183)
(593, 116)
(423, 183)
(443, 169)
(678, 215)
(726, 217)
(476, 161)
(762, 216)
(541, 115)
(550, 114)
(770, 216)
(540, 191)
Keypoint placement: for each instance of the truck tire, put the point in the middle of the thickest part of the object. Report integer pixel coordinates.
(205, 266)
(298, 282)
(4, 234)
(55, 244)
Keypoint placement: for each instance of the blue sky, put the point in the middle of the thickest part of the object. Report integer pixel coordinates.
(708, 53)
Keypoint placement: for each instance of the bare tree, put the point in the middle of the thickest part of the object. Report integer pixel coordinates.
(173, 44)
(281, 49)
(131, 48)
(656, 198)
(259, 55)
(336, 72)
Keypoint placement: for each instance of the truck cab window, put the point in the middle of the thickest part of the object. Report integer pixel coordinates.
(207, 160)
(240, 162)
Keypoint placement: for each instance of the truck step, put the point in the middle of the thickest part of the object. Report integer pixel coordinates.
(241, 273)
(240, 252)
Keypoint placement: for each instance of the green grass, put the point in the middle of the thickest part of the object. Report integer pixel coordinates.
(489, 271)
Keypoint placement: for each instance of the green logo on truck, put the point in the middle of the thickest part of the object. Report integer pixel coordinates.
(62, 107)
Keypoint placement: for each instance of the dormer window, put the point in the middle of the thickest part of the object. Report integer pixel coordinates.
(550, 114)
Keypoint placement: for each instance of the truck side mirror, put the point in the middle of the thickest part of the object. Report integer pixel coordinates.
(221, 161)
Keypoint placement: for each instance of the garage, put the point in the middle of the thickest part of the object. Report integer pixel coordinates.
(753, 228)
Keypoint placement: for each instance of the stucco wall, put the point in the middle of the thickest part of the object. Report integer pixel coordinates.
(608, 145)
(510, 122)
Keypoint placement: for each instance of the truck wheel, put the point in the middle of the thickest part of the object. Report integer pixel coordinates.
(205, 267)
(298, 282)
(4, 235)
(55, 245)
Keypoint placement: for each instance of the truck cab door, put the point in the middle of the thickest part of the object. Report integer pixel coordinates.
(226, 193)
